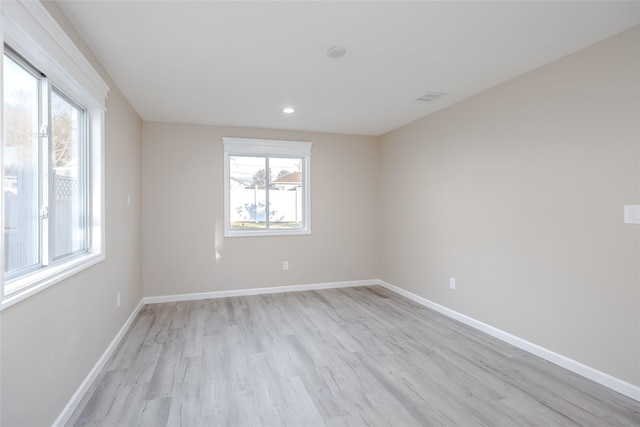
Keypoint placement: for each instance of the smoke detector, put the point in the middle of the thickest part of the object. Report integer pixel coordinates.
(336, 52)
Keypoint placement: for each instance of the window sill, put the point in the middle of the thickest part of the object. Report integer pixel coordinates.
(266, 233)
(40, 280)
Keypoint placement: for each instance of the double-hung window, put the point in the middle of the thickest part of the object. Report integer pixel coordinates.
(52, 178)
(266, 187)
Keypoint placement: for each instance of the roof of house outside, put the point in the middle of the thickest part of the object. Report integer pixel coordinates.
(292, 178)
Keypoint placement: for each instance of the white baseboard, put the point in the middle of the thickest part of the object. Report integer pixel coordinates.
(73, 403)
(257, 291)
(599, 377)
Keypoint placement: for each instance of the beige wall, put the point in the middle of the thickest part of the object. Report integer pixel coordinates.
(518, 193)
(183, 214)
(50, 341)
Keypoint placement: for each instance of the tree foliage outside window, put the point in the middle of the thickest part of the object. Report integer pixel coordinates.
(63, 130)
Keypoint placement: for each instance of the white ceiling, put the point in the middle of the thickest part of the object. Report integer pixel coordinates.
(239, 63)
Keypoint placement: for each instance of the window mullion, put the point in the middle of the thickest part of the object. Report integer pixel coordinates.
(45, 169)
(267, 185)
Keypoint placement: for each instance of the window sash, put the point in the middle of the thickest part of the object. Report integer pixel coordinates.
(22, 228)
(59, 183)
(275, 199)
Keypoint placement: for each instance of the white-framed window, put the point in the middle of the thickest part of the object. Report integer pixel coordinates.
(266, 187)
(53, 106)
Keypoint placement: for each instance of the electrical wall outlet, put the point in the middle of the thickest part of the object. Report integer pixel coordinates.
(452, 283)
(285, 265)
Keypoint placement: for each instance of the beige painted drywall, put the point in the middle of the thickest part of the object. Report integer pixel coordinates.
(184, 247)
(50, 341)
(518, 193)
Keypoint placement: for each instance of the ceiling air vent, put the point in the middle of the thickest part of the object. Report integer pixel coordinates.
(430, 96)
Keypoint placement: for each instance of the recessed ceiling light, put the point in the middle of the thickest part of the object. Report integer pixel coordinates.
(288, 110)
(336, 52)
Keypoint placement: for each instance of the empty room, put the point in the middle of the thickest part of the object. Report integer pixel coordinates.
(320, 213)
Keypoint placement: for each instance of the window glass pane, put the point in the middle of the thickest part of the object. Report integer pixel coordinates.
(247, 192)
(285, 193)
(67, 210)
(20, 180)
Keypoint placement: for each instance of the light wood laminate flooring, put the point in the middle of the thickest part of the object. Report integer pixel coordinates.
(359, 356)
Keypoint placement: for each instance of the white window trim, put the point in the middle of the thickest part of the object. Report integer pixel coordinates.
(273, 148)
(27, 27)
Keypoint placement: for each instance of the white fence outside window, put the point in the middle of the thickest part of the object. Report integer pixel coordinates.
(248, 204)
